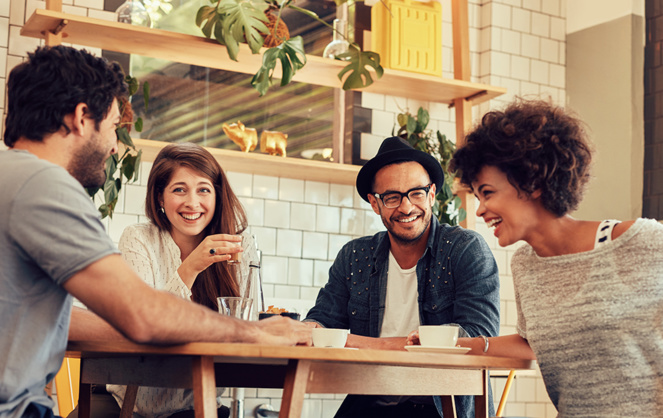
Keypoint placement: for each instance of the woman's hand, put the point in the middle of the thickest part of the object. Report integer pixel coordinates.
(213, 249)
(413, 338)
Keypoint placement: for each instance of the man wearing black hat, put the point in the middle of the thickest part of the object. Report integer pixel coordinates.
(418, 272)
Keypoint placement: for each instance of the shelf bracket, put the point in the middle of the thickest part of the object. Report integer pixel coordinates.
(60, 27)
(471, 97)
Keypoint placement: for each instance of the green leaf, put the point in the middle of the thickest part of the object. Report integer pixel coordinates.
(110, 191)
(359, 76)
(105, 211)
(462, 214)
(139, 158)
(138, 125)
(91, 191)
(411, 125)
(129, 166)
(132, 84)
(219, 34)
(111, 167)
(146, 94)
(423, 117)
(124, 137)
(446, 191)
(289, 53)
(402, 119)
(243, 20)
(209, 14)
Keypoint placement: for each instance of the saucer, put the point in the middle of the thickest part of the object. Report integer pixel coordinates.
(439, 350)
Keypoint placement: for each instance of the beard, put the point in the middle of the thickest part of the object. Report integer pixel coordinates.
(413, 236)
(88, 164)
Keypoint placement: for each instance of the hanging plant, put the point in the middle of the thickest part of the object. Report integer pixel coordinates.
(126, 162)
(232, 22)
(447, 206)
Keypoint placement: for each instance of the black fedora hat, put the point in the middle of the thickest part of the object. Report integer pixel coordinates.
(396, 150)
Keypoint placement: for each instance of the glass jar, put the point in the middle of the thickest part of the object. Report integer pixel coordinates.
(134, 13)
(339, 44)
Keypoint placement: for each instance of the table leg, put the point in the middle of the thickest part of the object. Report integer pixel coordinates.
(129, 401)
(448, 406)
(294, 388)
(481, 401)
(204, 387)
(84, 395)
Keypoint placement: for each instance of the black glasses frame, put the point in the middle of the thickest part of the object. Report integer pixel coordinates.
(403, 194)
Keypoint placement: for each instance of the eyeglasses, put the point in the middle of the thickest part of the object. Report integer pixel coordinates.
(416, 196)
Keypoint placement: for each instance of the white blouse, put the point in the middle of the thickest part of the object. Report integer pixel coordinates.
(155, 257)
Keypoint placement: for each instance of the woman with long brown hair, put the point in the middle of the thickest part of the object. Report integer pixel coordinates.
(196, 225)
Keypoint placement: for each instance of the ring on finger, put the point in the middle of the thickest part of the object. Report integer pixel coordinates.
(212, 251)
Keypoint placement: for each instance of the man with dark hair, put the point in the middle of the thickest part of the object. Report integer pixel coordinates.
(62, 112)
(418, 272)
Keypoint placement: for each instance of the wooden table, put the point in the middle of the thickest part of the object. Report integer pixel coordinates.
(298, 370)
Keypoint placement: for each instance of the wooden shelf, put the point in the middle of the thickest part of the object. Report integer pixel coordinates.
(198, 50)
(268, 165)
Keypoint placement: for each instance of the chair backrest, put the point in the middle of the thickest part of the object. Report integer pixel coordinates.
(505, 393)
(66, 385)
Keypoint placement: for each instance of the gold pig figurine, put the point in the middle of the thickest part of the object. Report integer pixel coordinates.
(273, 142)
(246, 138)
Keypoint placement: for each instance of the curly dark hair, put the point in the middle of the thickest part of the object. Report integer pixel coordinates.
(51, 83)
(537, 145)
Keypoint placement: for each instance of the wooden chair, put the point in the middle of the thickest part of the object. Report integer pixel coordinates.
(67, 385)
(67, 388)
(505, 393)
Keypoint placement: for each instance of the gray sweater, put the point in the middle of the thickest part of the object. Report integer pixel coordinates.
(595, 322)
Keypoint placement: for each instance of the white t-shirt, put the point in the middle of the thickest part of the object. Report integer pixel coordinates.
(401, 313)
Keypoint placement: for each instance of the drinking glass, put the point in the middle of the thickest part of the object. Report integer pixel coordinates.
(236, 306)
(236, 258)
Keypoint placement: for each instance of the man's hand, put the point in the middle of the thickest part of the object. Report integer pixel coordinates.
(281, 330)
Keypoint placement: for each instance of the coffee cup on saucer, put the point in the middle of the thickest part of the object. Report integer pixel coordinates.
(438, 335)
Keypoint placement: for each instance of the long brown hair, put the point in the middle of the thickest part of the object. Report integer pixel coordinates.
(229, 216)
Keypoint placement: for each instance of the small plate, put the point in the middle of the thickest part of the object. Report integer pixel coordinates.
(439, 350)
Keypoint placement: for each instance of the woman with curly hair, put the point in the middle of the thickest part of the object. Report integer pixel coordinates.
(588, 293)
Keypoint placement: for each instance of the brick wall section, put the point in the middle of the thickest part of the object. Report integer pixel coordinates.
(653, 166)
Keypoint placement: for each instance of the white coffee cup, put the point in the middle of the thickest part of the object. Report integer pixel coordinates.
(438, 335)
(329, 337)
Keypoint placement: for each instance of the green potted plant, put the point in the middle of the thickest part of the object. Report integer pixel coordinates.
(126, 162)
(447, 207)
(232, 22)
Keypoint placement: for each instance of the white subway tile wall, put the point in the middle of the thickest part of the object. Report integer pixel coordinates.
(301, 225)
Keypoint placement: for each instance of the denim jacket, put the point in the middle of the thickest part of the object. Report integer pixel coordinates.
(457, 279)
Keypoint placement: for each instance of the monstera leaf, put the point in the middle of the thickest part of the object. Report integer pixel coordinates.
(359, 75)
(243, 21)
(209, 15)
(235, 21)
(232, 22)
(289, 53)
